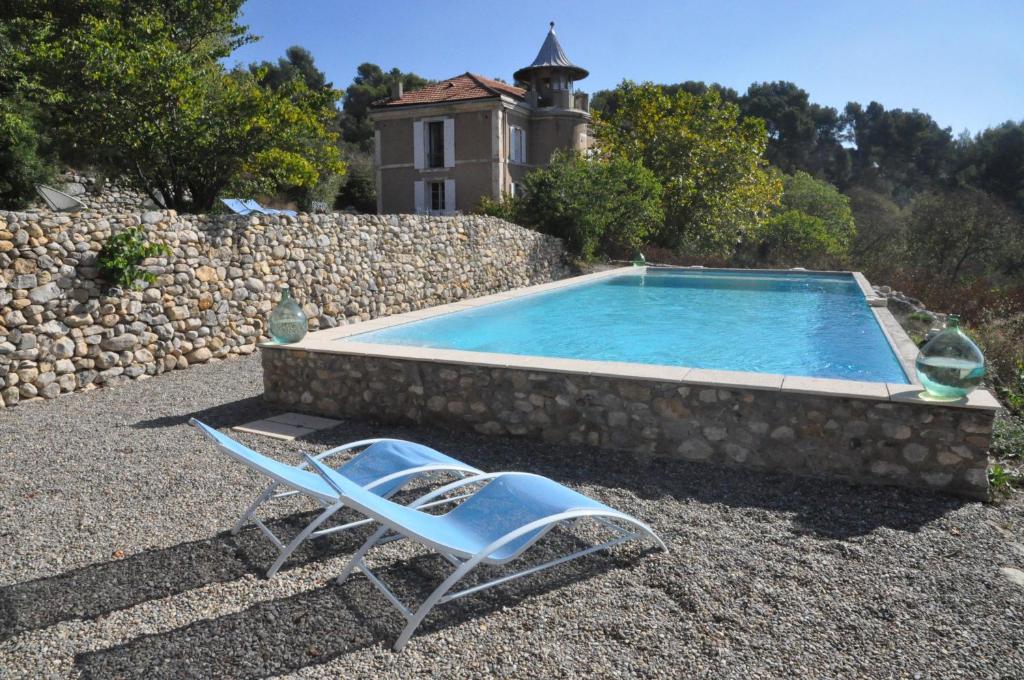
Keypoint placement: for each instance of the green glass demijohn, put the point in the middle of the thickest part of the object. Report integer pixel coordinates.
(950, 365)
(287, 321)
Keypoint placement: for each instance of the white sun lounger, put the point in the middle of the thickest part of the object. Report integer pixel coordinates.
(494, 525)
(383, 467)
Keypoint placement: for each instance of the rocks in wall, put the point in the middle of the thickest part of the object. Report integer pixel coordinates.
(63, 329)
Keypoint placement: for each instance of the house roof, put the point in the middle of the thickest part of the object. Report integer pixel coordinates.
(460, 88)
(551, 55)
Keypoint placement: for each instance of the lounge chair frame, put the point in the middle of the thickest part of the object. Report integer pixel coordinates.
(464, 563)
(329, 505)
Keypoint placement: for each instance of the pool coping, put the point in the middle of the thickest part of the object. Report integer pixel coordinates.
(326, 341)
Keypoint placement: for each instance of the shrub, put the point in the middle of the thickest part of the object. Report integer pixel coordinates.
(1008, 436)
(813, 227)
(607, 207)
(506, 207)
(22, 165)
(122, 253)
(1001, 338)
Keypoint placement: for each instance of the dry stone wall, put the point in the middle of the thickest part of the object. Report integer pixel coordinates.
(64, 329)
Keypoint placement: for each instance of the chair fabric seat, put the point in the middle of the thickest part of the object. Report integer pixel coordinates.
(388, 457)
(508, 502)
(377, 460)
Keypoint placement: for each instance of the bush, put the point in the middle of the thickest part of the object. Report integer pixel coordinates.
(506, 208)
(1001, 338)
(813, 227)
(22, 165)
(963, 234)
(123, 252)
(607, 207)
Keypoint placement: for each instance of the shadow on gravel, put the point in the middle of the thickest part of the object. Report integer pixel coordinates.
(92, 591)
(829, 509)
(222, 416)
(316, 626)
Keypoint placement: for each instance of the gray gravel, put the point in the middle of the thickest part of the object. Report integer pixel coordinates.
(114, 562)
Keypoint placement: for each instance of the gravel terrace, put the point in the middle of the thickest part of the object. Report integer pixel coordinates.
(115, 562)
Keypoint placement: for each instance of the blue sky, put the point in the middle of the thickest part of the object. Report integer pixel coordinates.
(962, 62)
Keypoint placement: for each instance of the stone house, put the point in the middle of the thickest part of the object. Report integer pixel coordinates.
(441, 148)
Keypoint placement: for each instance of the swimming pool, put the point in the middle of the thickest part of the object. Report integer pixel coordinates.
(789, 323)
(623, 359)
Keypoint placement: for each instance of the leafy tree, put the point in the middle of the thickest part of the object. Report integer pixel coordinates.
(297, 62)
(801, 135)
(964, 233)
(994, 162)
(881, 238)
(24, 161)
(708, 160)
(898, 152)
(813, 226)
(139, 88)
(359, 192)
(608, 207)
(370, 84)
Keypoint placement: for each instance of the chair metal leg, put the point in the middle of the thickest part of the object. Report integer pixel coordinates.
(302, 536)
(428, 604)
(260, 500)
(361, 553)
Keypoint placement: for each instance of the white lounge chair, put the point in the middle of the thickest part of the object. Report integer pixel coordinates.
(494, 525)
(383, 467)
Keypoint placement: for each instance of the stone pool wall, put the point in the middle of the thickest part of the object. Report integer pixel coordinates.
(870, 440)
(63, 329)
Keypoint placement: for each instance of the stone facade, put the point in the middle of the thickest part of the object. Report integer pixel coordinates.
(908, 444)
(62, 329)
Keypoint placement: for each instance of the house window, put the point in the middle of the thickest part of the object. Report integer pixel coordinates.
(437, 203)
(517, 145)
(435, 144)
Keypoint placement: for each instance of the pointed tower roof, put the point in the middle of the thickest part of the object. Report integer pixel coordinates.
(551, 55)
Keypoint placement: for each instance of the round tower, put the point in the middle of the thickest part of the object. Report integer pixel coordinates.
(551, 76)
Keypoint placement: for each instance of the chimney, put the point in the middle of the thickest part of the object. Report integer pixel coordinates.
(397, 89)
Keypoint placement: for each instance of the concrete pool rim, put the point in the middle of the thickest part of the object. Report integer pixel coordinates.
(327, 342)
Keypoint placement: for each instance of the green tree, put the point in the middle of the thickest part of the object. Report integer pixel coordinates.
(964, 233)
(598, 207)
(813, 227)
(880, 241)
(297, 62)
(901, 153)
(138, 88)
(24, 160)
(370, 84)
(709, 162)
(359, 192)
(994, 162)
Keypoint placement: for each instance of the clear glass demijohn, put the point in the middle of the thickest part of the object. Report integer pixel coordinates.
(287, 322)
(950, 365)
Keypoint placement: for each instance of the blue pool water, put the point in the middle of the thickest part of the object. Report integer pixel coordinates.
(816, 325)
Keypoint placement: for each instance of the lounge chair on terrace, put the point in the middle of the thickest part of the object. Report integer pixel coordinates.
(383, 467)
(494, 525)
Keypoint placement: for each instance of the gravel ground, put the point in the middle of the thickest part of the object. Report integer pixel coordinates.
(115, 562)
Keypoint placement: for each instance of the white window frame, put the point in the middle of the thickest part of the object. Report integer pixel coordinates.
(516, 144)
(421, 142)
(423, 191)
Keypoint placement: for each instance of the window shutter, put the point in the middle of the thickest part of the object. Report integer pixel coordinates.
(449, 142)
(418, 197)
(449, 196)
(417, 144)
(522, 147)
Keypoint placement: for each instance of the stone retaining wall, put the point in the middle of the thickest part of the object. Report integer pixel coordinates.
(62, 329)
(916, 445)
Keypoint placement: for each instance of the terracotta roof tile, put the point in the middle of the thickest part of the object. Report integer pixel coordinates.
(459, 88)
